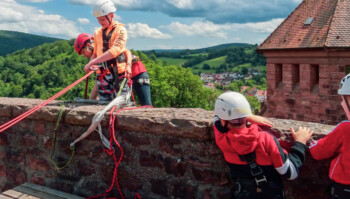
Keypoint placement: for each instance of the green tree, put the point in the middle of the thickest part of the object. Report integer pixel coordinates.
(234, 87)
(206, 67)
(16, 91)
(244, 70)
(174, 86)
(254, 103)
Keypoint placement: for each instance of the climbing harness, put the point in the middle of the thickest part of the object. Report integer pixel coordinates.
(114, 105)
(96, 121)
(62, 164)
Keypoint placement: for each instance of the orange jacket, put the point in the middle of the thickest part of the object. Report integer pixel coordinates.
(116, 43)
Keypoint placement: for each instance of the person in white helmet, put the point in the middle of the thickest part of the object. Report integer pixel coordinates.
(336, 145)
(109, 47)
(255, 158)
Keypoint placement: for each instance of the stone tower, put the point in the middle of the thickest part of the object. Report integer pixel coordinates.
(306, 57)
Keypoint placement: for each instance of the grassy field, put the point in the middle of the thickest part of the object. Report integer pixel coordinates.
(213, 63)
(204, 54)
(172, 61)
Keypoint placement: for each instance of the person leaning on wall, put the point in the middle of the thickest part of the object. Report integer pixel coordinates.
(255, 158)
(336, 145)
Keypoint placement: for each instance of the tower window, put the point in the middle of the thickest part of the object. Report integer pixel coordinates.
(295, 76)
(315, 78)
(279, 75)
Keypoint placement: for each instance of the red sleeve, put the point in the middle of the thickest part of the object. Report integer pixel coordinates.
(221, 139)
(329, 146)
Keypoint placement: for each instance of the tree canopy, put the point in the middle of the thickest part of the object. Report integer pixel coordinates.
(43, 71)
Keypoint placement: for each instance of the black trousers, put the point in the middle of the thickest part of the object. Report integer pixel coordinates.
(340, 191)
(247, 189)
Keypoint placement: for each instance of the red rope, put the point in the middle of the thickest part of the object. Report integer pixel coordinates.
(101, 78)
(112, 138)
(44, 103)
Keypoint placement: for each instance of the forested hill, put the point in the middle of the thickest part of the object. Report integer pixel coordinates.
(12, 41)
(43, 71)
(46, 69)
(234, 57)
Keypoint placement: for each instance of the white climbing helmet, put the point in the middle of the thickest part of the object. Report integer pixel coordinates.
(344, 86)
(232, 105)
(103, 8)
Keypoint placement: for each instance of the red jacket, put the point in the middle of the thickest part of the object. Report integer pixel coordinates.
(335, 145)
(137, 68)
(268, 152)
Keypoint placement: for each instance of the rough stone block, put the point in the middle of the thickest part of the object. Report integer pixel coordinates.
(38, 164)
(160, 187)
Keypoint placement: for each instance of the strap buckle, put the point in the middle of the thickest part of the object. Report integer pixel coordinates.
(135, 59)
(94, 67)
(255, 170)
(258, 181)
(237, 187)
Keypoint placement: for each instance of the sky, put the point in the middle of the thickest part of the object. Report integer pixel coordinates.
(153, 24)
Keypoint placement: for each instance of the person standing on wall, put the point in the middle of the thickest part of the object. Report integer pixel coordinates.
(108, 51)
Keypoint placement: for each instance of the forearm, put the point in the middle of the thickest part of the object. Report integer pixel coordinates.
(104, 57)
(259, 120)
(297, 154)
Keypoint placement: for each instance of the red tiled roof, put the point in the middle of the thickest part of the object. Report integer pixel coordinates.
(251, 90)
(243, 88)
(261, 93)
(329, 28)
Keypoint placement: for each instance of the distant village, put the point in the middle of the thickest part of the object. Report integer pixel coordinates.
(225, 79)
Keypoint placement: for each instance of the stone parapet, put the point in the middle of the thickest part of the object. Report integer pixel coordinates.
(167, 152)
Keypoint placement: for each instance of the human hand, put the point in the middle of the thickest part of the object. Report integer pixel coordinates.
(128, 70)
(303, 134)
(87, 67)
(259, 120)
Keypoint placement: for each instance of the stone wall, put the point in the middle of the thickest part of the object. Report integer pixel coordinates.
(302, 84)
(168, 153)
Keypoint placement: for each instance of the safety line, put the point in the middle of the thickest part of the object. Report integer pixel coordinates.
(44, 103)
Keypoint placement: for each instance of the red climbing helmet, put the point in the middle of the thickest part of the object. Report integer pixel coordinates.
(80, 41)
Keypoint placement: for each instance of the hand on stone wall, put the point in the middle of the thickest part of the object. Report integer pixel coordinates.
(303, 134)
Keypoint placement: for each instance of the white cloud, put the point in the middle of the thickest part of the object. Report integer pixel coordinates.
(10, 14)
(208, 29)
(83, 20)
(143, 30)
(181, 4)
(82, 2)
(217, 11)
(203, 29)
(34, 1)
(266, 26)
(14, 16)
